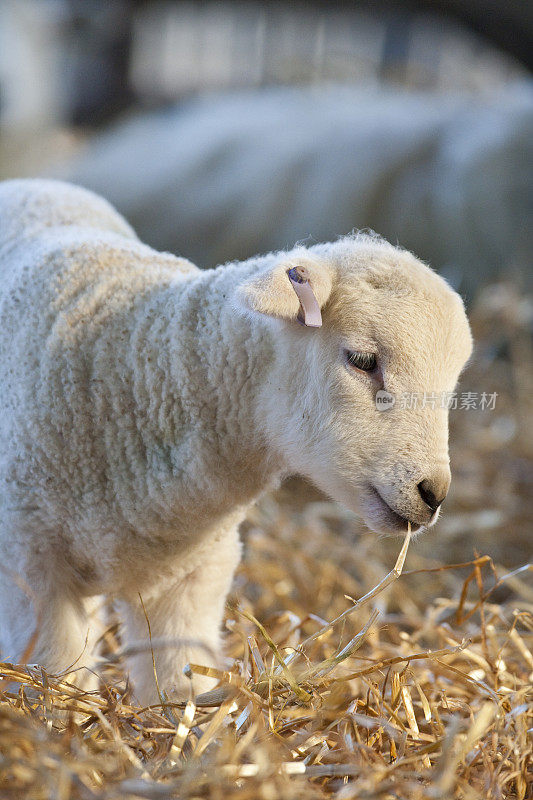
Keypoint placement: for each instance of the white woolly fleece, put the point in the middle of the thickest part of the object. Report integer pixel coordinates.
(146, 403)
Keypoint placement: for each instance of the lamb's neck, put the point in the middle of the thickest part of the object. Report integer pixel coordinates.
(210, 364)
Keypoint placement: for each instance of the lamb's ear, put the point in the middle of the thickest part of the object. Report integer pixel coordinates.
(292, 289)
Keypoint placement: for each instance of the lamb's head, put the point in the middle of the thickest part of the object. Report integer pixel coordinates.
(390, 324)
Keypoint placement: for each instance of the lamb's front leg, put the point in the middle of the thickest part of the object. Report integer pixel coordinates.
(49, 624)
(185, 619)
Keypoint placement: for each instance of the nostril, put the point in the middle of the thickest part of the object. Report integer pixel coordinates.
(430, 494)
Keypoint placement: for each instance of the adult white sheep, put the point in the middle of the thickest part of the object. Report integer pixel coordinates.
(145, 404)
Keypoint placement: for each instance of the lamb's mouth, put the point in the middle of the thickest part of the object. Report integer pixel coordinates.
(394, 520)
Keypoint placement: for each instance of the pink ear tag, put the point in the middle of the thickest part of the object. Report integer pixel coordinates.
(309, 313)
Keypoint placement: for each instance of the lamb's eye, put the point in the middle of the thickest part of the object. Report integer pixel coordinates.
(366, 362)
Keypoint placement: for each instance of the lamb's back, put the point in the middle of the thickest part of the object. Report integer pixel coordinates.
(29, 206)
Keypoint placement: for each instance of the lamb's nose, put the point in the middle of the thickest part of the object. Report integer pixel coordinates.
(433, 492)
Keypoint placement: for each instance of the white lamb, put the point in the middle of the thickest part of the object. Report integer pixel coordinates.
(145, 404)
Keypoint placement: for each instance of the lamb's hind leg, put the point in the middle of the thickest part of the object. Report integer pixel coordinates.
(47, 625)
(185, 618)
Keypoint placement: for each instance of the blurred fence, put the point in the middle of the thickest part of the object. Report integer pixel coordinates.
(82, 61)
